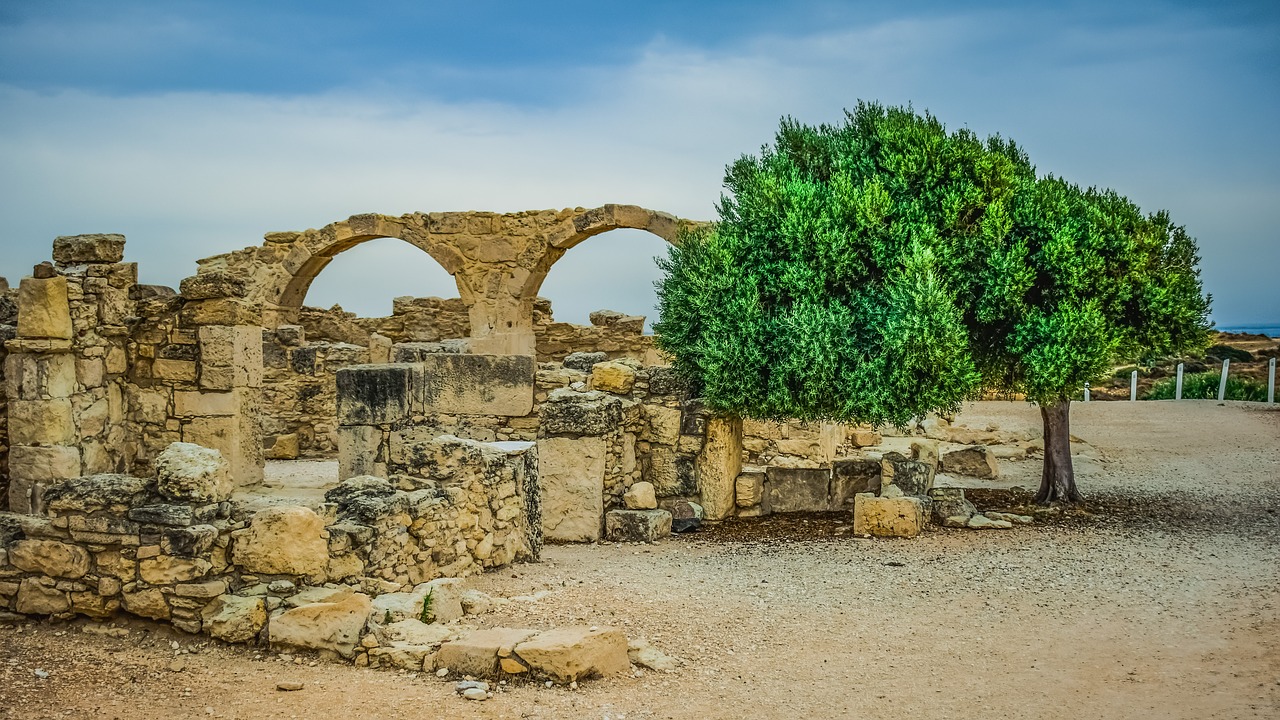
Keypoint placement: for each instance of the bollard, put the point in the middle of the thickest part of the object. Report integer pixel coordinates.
(1271, 382)
(1177, 393)
(1086, 392)
(1133, 386)
(1222, 384)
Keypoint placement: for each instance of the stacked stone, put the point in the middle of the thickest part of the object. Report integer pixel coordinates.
(300, 387)
(8, 331)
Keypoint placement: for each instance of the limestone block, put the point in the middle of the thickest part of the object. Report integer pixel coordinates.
(44, 465)
(478, 384)
(666, 381)
(196, 404)
(283, 541)
(637, 525)
(951, 503)
(671, 473)
(359, 449)
(375, 394)
(379, 348)
(799, 489)
(31, 376)
(41, 422)
(718, 467)
(852, 476)
(233, 436)
(148, 603)
(230, 356)
(583, 361)
(749, 488)
(568, 412)
(190, 473)
(888, 517)
(574, 653)
(664, 424)
(978, 462)
(234, 619)
(212, 285)
(167, 569)
(222, 312)
(640, 496)
(37, 598)
(612, 377)
(95, 248)
(90, 372)
(911, 476)
(334, 627)
(50, 557)
(43, 308)
(284, 447)
(174, 370)
(864, 437)
(476, 654)
(110, 492)
(571, 475)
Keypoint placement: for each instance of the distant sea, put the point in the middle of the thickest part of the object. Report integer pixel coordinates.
(1268, 330)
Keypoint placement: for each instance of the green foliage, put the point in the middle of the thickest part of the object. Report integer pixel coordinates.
(427, 616)
(883, 268)
(1204, 386)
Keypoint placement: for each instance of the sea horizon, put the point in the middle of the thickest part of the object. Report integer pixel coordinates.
(1268, 329)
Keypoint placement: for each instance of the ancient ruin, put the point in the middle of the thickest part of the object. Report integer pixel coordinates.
(136, 422)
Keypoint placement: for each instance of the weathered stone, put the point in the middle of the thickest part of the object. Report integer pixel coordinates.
(188, 541)
(43, 308)
(887, 517)
(951, 503)
(576, 653)
(437, 601)
(637, 525)
(571, 477)
(978, 462)
(799, 489)
(911, 476)
(334, 627)
(50, 557)
(583, 361)
(283, 541)
(37, 598)
(234, 619)
(613, 377)
(663, 424)
(685, 516)
(213, 284)
(478, 384)
(190, 473)
(863, 437)
(148, 603)
(476, 654)
(1012, 518)
(641, 653)
(168, 569)
(640, 496)
(41, 422)
(96, 248)
(568, 412)
(284, 447)
(749, 490)
(852, 476)
(375, 394)
(111, 492)
(718, 466)
(172, 515)
(666, 381)
(44, 465)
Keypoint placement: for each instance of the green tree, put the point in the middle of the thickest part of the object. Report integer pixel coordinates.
(883, 268)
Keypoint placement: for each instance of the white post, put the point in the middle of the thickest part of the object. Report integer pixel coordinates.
(1133, 386)
(1086, 392)
(1271, 382)
(1222, 384)
(1177, 395)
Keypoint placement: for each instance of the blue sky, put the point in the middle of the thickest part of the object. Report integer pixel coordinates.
(194, 127)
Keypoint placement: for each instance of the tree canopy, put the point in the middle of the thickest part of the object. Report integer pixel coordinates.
(885, 267)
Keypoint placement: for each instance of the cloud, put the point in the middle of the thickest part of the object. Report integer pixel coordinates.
(1148, 108)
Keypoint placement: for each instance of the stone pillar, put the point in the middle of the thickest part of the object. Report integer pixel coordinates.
(719, 465)
(222, 411)
(40, 378)
(576, 433)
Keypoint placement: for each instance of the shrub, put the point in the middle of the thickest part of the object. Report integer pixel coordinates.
(1204, 386)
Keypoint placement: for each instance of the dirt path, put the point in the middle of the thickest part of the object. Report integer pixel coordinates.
(1164, 602)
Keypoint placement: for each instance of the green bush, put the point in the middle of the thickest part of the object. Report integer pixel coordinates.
(1204, 386)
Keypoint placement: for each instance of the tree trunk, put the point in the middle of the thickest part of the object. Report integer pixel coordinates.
(1058, 480)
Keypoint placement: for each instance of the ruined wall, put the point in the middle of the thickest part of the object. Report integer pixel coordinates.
(8, 331)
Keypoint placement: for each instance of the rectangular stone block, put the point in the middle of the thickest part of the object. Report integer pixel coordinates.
(478, 384)
(718, 466)
(196, 404)
(230, 356)
(636, 525)
(375, 394)
(43, 308)
(852, 476)
(476, 654)
(40, 422)
(888, 517)
(571, 473)
(750, 488)
(30, 376)
(174, 370)
(95, 248)
(799, 489)
(44, 464)
(360, 452)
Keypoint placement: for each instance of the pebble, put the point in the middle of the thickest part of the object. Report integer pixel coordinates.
(289, 685)
(475, 694)
(442, 672)
(40, 674)
(464, 685)
(178, 665)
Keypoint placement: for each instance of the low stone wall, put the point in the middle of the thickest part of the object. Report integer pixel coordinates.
(8, 331)
(176, 549)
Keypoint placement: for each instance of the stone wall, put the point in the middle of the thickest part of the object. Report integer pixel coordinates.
(8, 331)
(177, 549)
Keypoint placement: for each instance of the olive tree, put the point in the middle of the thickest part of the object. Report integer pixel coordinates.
(883, 268)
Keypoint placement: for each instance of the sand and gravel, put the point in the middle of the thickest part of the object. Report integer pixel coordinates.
(1162, 601)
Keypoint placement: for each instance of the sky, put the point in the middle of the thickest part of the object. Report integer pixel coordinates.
(195, 127)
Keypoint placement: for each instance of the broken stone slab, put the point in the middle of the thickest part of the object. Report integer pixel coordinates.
(568, 412)
(477, 653)
(977, 462)
(851, 476)
(641, 653)
(187, 472)
(113, 493)
(637, 525)
(913, 477)
(93, 248)
(213, 285)
(445, 603)
(799, 489)
(613, 377)
(334, 627)
(1011, 517)
(887, 516)
(283, 541)
(685, 516)
(233, 618)
(583, 361)
(575, 653)
(950, 503)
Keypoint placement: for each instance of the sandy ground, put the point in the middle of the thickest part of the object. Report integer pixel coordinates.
(1162, 602)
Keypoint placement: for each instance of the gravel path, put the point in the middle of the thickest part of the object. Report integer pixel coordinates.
(1162, 601)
